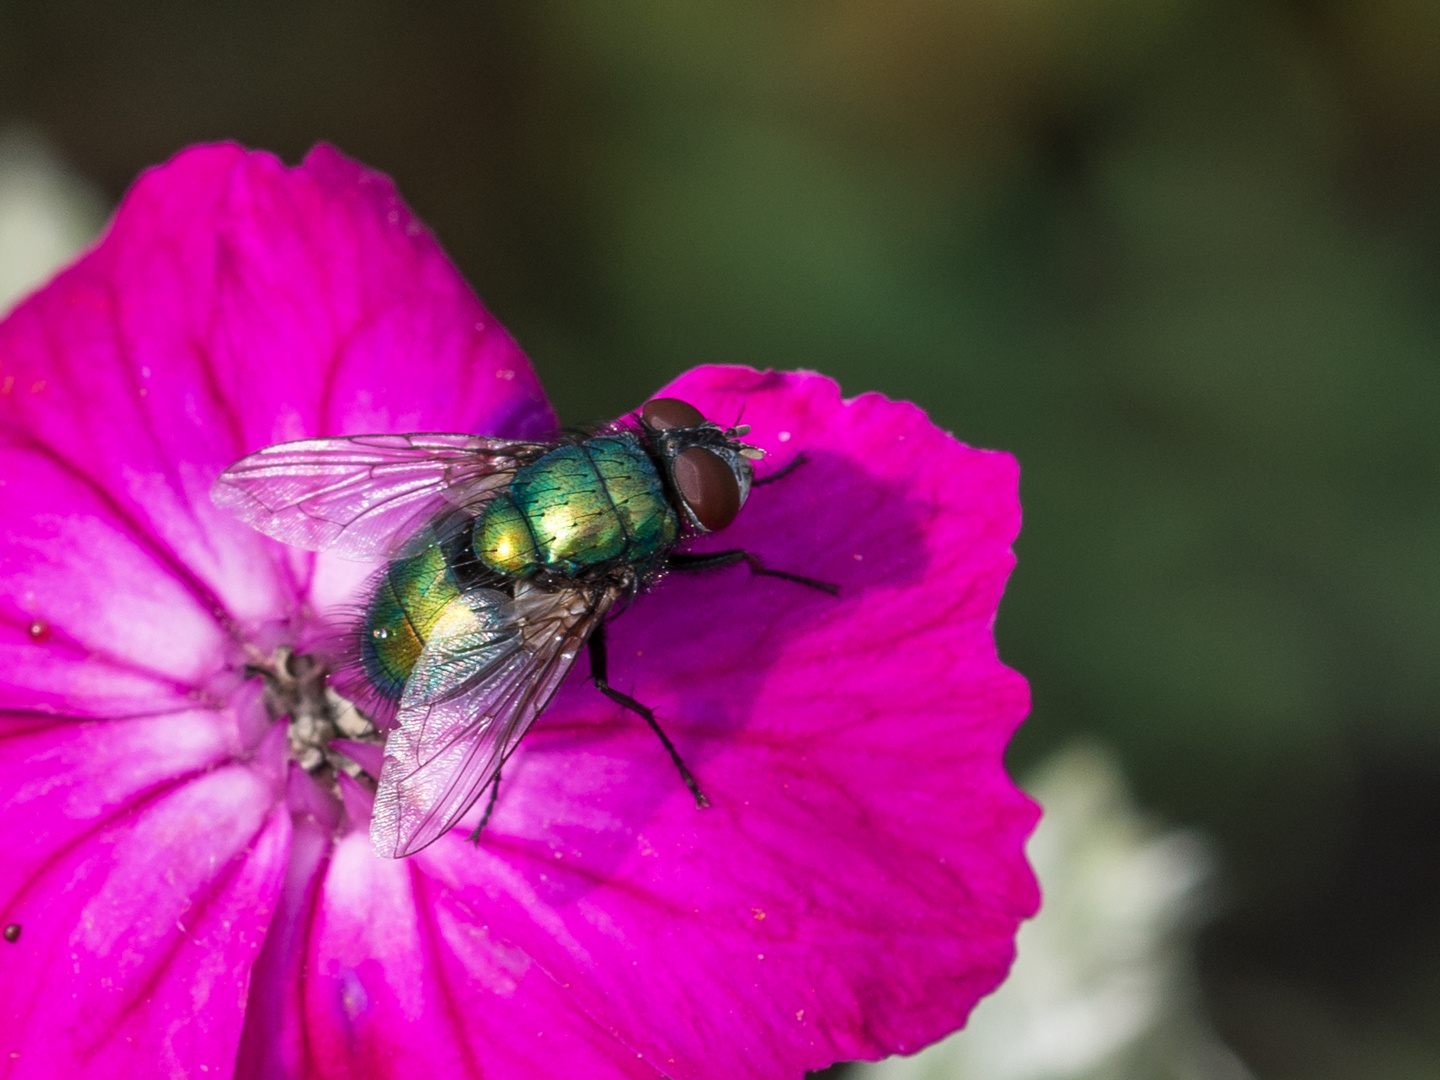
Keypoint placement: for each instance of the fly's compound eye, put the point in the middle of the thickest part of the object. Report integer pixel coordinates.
(708, 486)
(668, 413)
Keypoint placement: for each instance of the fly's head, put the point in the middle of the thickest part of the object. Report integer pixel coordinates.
(706, 465)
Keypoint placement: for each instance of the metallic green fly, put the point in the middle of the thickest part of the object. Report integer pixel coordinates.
(503, 558)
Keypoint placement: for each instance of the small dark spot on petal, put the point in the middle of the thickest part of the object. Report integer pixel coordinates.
(12, 933)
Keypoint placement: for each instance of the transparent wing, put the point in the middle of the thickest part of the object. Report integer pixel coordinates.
(489, 667)
(362, 497)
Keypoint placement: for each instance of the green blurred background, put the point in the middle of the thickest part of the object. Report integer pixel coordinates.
(1182, 257)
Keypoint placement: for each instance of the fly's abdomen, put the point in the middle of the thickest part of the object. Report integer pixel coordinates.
(503, 539)
(406, 605)
(577, 507)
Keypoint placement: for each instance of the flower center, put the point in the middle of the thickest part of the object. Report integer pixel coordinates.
(296, 687)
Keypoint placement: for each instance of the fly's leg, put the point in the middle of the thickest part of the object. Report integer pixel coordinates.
(474, 837)
(714, 559)
(710, 560)
(598, 674)
(786, 470)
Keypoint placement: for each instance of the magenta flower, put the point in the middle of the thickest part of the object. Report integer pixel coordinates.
(189, 902)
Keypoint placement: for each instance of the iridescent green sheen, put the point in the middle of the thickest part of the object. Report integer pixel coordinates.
(404, 608)
(575, 508)
(637, 494)
(503, 540)
(578, 507)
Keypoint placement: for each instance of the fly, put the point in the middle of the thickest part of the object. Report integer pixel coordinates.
(503, 559)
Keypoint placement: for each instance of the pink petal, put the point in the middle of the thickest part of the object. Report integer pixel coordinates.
(143, 867)
(233, 302)
(403, 978)
(236, 303)
(858, 882)
(96, 617)
(853, 891)
(272, 1043)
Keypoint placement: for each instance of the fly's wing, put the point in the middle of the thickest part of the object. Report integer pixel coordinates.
(363, 497)
(488, 668)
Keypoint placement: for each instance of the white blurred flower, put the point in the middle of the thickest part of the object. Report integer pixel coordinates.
(1103, 987)
(47, 214)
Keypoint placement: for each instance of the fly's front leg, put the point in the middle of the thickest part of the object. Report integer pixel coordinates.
(599, 675)
(711, 560)
(783, 471)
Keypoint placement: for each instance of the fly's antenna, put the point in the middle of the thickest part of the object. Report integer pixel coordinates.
(735, 434)
(738, 430)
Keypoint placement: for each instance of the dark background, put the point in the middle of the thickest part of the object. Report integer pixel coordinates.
(1180, 257)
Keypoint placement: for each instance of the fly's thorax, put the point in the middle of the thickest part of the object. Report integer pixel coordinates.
(579, 507)
(408, 600)
(637, 495)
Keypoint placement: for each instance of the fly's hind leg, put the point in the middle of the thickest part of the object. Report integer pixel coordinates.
(598, 674)
(711, 560)
(474, 837)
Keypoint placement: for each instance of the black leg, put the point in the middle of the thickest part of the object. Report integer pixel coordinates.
(474, 837)
(598, 673)
(710, 560)
(795, 463)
